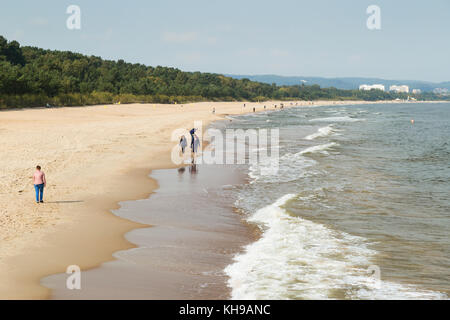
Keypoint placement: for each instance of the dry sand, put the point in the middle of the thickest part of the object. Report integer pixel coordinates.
(93, 158)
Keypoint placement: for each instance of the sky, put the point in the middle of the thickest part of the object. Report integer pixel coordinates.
(324, 38)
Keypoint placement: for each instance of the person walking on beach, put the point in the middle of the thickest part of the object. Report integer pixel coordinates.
(39, 184)
(192, 133)
(196, 144)
(183, 144)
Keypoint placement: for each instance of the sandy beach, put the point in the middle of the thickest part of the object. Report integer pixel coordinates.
(93, 157)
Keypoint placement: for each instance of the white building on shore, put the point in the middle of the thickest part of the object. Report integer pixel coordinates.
(400, 89)
(416, 91)
(441, 91)
(366, 87)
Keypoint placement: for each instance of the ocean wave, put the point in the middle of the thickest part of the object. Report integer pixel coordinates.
(288, 167)
(319, 149)
(322, 132)
(336, 119)
(299, 259)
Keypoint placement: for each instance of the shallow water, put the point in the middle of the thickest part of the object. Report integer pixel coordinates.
(359, 209)
(194, 235)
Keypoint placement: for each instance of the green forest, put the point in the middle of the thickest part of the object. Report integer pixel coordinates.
(34, 77)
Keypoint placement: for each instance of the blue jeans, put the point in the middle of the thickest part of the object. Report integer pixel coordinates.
(39, 192)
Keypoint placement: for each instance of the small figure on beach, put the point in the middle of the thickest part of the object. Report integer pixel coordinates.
(264, 107)
(254, 109)
(183, 144)
(196, 144)
(214, 110)
(39, 182)
(192, 133)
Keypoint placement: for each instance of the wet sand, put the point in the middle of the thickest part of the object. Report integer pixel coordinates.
(195, 235)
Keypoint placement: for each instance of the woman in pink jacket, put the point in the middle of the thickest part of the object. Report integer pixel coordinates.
(39, 184)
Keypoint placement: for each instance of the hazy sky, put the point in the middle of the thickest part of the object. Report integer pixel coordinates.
(287, 37)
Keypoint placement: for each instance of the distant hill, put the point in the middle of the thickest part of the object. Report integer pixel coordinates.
(342, 83)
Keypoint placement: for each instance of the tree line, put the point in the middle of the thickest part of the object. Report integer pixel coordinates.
(34, 77)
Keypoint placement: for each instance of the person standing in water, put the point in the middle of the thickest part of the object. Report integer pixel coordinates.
(39, 184)
(192, 133)
(183, 144)
(195, 144)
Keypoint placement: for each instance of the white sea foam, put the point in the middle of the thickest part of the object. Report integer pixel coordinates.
(336, 119)
(322, 132)
(322, 148)
(290, 166)
(299, 259)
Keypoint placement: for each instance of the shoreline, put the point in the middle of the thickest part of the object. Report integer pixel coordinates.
(194, 235)
(76, 226)
(346, 102)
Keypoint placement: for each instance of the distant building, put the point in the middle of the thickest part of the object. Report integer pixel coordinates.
(416, 91)
(366, 87)
(441, 91)
(400, 89)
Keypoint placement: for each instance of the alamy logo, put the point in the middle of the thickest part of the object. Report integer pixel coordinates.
(374, 20)
(73, 282)
(74, 20)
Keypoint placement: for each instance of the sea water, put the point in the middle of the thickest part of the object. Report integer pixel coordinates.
(359, 209)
